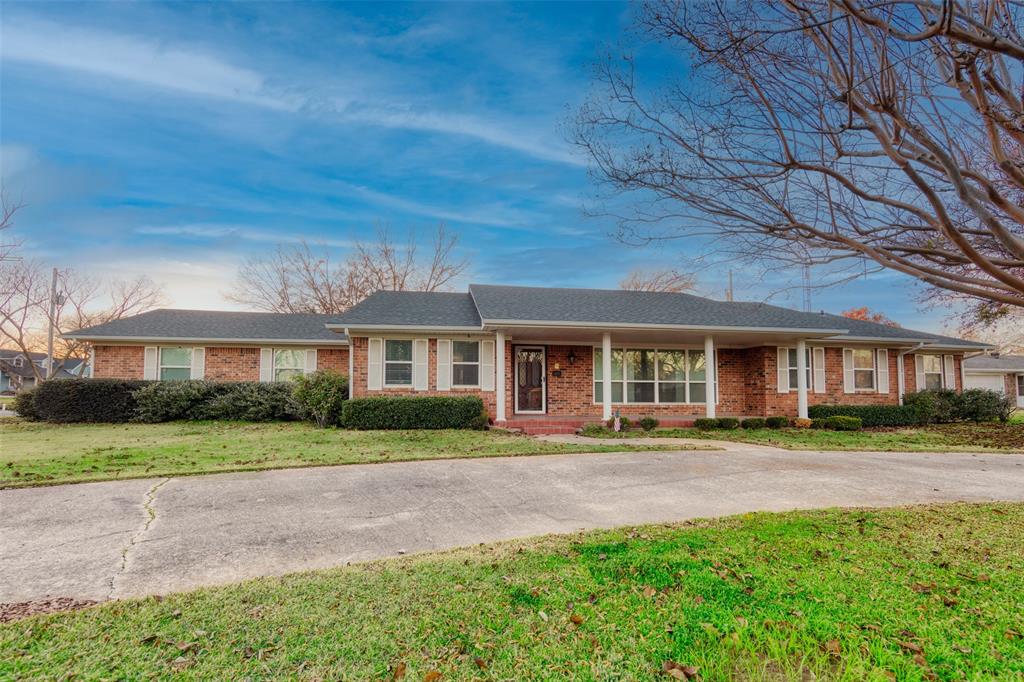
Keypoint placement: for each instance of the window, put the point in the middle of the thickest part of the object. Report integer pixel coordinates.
(19, 361)
(397, 362)
(465, 363)
(288, 363)
(647, 375)
(794, 372)
(175, 364)
(932, 366)
(617, 385)
(864, 369)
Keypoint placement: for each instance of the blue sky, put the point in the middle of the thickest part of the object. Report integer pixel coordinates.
(176, 140)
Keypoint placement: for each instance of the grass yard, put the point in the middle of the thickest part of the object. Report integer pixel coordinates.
(933, 592)
(939, 437)
(42, 454)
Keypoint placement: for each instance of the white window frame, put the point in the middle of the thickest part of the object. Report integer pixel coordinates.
(873, 369)
(793, 370)
(709, 374)
(384, 362)
(941, 372)
(160, 366)
(273, 362)
(479, 367)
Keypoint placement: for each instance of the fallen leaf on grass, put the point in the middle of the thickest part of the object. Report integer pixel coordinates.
(649, 591)
(399, 672)
(680, 672)
(432, 676)
(180, 663)
(910, 646)
(576, 618)
(923, 588)
(480, 663)
(832, 648)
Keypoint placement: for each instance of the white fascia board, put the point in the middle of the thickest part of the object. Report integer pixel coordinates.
(989, 370)
(215, 341)
(910, 340)
(424, 328)
(548, 324)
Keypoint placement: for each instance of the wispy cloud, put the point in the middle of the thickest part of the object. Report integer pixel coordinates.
(194, 71)
(214, 231)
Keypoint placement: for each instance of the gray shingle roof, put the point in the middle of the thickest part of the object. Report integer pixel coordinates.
(1010, 363)
(413, 309)
(213, 325)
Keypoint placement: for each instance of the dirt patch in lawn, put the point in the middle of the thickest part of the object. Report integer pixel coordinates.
(23, 609)
(988, 435)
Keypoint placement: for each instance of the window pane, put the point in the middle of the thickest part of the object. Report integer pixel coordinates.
(864, 358)
(932, 363)
(640, 365)
(465, 351)
(863, 378)
(640, 392)
(398, 350)
(465, 375)
(177, 357)
(616, 363)
(398, 373)
(792, 357)
(794, 376)
(598, 364)
(674, 392)
(175, 373)
(289, 359)
(698, 394)
(286, 373)
(672, 365)
(933, 381)
(697, 366)
(616, 392)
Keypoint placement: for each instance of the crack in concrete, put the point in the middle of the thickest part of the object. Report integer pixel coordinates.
(147, 505)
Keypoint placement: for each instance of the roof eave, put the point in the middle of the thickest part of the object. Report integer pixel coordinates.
(205, 339)
(638, 325)
(404, 327)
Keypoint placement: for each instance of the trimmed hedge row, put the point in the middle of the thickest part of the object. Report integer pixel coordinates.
(65, 401)
(401, 412)
(935, 406)
(252, 401)
(869, 415)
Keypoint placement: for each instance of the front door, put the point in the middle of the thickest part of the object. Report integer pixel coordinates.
(1020, 390)
(530, 383)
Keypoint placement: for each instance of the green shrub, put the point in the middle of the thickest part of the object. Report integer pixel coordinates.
(776, 422)
(25, 404)
(870, 415)
(163, 401)
(983, 405)
(839, 422)
(595, 430)
(624, 423)
(728, 423)
(402, 412)
(754, 423)
(705, 424)
(935, 406)
(321, 395)
(87, 400)
(648, 423)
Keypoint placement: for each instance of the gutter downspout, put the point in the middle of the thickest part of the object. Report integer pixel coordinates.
(351, 365)
(900, 381)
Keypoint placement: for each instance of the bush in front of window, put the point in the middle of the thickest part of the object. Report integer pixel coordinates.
(66, 401)
(406, 412)
(776, 422)
(728, 423)
(165, 401)
(871, 415)
(935, 405)
(983, 405)
(25, 404)
(754, 423)
(254, 401)
(648, 423)
(321, 395)
(706, 423)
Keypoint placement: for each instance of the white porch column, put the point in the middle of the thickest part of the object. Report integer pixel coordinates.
(801, 379)
(710, 376)
(900, 389)
(606, 375)
(499, 376)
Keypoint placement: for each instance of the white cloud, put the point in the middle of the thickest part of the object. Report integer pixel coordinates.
(221, 231)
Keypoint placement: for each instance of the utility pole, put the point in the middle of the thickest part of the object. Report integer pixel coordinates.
(55, 300)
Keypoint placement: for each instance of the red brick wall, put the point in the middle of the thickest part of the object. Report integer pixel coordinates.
(118, 362)
(223, 363)
(785, 403)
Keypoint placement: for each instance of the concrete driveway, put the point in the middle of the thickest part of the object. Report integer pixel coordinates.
(153, 536)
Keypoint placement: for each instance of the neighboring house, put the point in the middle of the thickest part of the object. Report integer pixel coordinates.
(16, 370)
(1003, 373)
(552, 359)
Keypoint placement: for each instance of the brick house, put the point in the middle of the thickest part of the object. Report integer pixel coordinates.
(546, 359)
(1003, 373)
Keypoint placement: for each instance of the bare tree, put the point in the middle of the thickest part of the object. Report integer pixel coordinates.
(301, 279)
(659, 280)
(883, 135)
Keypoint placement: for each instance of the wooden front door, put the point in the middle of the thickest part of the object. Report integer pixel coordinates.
(530, 382)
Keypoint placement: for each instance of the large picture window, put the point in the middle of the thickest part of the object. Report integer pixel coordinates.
(864, 369)
(175, 364)
(398, 362)
(653, 376)
(465, 363)
(932, 366)
(288, 363)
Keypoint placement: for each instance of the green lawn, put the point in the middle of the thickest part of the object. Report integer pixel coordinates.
(940, 437)
(41, 454)
(932, 592)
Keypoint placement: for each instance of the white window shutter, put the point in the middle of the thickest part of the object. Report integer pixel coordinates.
(849, 386)
(198, 363)
(266, 364)
(818, 360)
(919, 372)
(783, 374)
(949, 367)
(487, 365)
(444, 364)
(310, 361)
(882, 362)
(420, 370)
(374, 364)
(149, 362)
